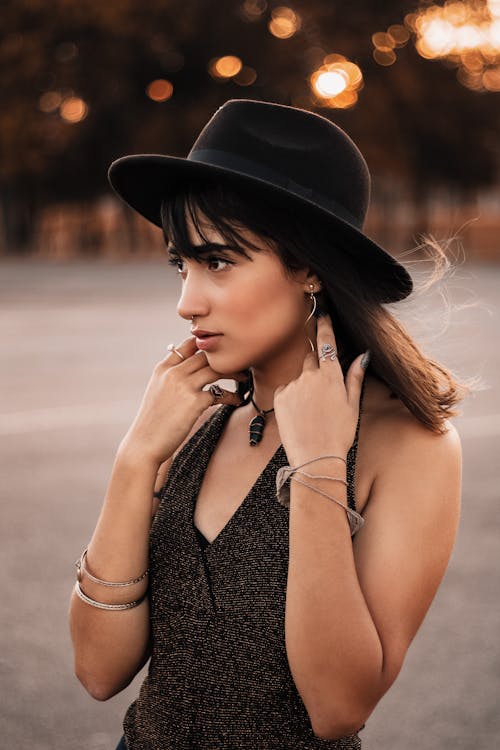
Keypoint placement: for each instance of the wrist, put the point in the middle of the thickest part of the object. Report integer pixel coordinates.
(333, 458)
(131, 455)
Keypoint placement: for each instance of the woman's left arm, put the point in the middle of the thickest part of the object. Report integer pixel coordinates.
(353, 605)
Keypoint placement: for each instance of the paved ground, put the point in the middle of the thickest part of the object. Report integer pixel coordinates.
(78, 343)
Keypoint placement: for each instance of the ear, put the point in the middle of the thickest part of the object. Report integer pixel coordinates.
(305, 277)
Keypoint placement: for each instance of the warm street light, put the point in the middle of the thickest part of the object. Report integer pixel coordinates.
(337, 82)
(466, 33)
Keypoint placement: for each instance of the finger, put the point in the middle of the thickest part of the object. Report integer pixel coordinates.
(192, 362)
(324, 330)
(354, 380)
(187, 348)
(226, 397)
(327, 345)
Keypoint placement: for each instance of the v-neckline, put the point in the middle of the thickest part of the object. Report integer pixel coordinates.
(214, 432)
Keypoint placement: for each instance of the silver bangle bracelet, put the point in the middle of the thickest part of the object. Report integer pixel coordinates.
(102, 605)
(81, 570)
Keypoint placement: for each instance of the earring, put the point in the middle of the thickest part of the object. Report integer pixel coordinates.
(313, 298)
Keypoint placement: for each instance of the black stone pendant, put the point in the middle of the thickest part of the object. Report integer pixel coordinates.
(256, 429)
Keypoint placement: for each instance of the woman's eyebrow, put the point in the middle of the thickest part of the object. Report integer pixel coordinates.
(201, 249)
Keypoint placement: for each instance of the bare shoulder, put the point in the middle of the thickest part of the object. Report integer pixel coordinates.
(396, 447)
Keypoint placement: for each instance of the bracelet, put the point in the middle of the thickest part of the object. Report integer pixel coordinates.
(285, 472)
(81, 570)
(355, 520)
(322, 476)
(283, 492)
(102, 605)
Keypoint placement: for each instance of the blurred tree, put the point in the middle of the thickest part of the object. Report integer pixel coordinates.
(74, 80)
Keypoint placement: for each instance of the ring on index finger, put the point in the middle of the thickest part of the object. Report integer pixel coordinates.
(327, 350)
(171, 348)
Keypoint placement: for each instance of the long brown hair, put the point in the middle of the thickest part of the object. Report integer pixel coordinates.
(360, 321)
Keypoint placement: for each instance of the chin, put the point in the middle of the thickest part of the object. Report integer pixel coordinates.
(224, 366)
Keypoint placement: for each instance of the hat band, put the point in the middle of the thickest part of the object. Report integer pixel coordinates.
(214, 157)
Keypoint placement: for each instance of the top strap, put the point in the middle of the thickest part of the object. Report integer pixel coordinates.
(351, 457)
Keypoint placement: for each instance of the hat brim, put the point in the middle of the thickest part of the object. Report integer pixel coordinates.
(144, 181)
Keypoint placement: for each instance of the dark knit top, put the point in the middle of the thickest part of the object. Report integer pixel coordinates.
(219, 677)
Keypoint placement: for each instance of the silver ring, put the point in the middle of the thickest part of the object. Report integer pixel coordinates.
(216, 392)
(171, 348)
(327, 350)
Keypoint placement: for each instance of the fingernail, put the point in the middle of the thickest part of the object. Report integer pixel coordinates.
(365, 359)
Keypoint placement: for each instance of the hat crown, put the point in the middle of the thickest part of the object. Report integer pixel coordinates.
(299, 150)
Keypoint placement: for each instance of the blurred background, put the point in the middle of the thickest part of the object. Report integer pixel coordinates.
(88, 303)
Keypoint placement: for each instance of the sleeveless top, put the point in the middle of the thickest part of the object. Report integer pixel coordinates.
(219, 677)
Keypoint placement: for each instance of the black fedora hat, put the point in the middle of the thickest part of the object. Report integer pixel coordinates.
(287, 153)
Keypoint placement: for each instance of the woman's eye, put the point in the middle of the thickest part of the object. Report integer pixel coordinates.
(214, 259)
(178, 263)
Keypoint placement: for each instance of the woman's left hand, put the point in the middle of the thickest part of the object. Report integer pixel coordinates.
(318, 412)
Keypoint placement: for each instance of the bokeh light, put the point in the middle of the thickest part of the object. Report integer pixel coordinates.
(160, 90)
(225, 67)
(465, 33)
(73, 109)
(253, 10)
(284, 22)
(336, 83)
(49, 101)
(246, 76)
(385, 42)
(399, 34)
(384, 56)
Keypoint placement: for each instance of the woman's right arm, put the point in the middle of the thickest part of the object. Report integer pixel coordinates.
(111, 646)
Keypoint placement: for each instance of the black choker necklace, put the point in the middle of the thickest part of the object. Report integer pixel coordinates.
(256, 426)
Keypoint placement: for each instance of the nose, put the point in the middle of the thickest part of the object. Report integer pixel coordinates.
(193, 301)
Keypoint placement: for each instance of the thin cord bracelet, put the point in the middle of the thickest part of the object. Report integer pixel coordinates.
(81, 570)
(283, 490)
(102, 605)
(355, 520)
(285, 472)
(321, 476)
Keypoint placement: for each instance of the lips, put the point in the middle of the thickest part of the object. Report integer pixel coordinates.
(200, 333)
(207, 341)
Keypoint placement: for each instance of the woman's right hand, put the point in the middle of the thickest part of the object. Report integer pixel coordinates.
(173, 401)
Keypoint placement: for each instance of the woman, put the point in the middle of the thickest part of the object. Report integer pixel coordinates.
(278, 620)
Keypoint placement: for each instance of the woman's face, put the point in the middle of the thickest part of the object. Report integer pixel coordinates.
(257, 309)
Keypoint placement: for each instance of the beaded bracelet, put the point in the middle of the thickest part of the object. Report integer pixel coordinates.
(81, 570)
(102, 605)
